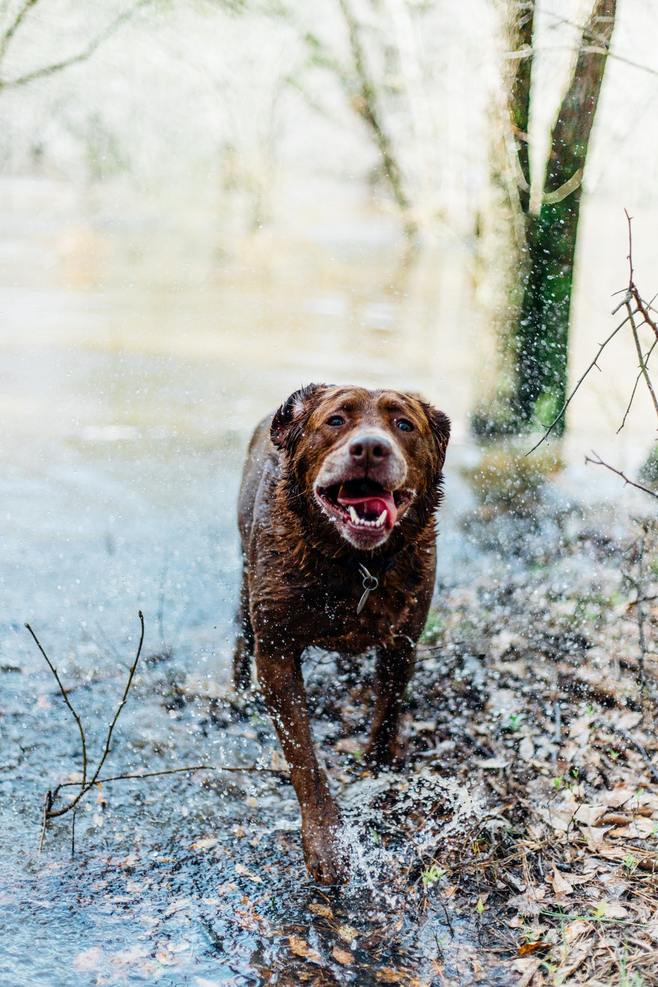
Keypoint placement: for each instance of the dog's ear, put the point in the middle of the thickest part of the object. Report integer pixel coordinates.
(440, 427)
(289, 420)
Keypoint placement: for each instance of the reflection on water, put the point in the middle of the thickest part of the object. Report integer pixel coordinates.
(134, 367)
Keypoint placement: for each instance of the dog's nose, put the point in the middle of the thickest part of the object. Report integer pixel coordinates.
(370, 449)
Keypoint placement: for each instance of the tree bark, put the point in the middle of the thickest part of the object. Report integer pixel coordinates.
(542, 333)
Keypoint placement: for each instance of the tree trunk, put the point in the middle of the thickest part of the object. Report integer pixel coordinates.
(542, 333)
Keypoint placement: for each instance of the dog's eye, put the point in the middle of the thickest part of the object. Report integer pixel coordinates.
(335, 421)
(404, 425)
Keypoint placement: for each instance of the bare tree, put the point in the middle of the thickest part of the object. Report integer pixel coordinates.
(364, 92)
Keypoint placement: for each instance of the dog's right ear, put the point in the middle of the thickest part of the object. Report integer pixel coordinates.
(288, 423)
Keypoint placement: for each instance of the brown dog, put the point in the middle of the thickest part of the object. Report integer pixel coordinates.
(338, 497)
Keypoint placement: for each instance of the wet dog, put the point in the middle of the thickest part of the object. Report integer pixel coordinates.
(337, 520)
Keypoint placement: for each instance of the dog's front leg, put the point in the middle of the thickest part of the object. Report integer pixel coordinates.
(393, 671)
(281, 680)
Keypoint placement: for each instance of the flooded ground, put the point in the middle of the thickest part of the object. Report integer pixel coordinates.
(128, 397)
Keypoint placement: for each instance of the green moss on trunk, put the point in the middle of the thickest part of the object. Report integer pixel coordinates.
(538, 337)
(542, 334)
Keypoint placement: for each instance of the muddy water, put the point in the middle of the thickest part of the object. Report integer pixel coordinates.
(133, 369)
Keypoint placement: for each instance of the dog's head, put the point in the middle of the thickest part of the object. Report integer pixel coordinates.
(364, 460)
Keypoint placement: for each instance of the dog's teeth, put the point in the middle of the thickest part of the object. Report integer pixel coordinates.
(380, 520)
(353, 515)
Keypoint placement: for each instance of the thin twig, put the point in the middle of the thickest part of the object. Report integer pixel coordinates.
(21, 13)
(370, 112)
(47, 803)
(234, 768)
(568, 401)
(81, 56)
(557, 734)
(643, 367)
(643, 364)
(630, 739)
(635, 305)
(599, 462)
(642, 599)
(85, 784)
(124, 699)
(68, 702)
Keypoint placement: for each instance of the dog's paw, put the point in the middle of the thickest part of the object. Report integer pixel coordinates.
(325, 857)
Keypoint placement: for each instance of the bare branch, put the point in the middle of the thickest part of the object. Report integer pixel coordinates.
(568, 401)
(21, 13)
(367, 107)
(638, 486)
(108, 739)
(230, 768)
(74, 712)
(85, 784)
(632, 297)
(643, 363)
(81, 56)
(643, 366)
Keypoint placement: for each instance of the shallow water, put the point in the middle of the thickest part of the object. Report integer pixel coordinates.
(128, 404)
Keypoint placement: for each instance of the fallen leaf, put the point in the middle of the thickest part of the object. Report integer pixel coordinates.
(389, 976)
(637, 829)
(528, 948)
(527, 966)
(346, 933)
(242, 870)
(342, 956)
(324, 911)
(300, 947)
(577, 929)
(561, 885)
(204, 843)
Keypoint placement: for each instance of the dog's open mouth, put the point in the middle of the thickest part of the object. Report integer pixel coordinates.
(364, 504)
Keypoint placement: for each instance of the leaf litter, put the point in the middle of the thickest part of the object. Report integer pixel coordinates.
(518, 845)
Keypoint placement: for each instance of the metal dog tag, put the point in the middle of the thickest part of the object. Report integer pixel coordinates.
(370, 583)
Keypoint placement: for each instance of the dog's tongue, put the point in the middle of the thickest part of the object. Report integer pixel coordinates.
(373, 505)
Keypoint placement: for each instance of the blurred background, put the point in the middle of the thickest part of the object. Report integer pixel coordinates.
(206, 204)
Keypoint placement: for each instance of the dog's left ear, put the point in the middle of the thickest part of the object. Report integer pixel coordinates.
(289, 420)
(440, 426)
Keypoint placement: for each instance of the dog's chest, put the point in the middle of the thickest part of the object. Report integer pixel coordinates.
(333, 620)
